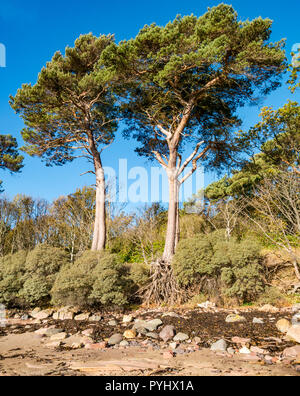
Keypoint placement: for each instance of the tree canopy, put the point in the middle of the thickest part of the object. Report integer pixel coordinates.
(10, 158)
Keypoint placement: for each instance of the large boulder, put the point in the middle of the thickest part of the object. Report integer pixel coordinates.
(294, 333)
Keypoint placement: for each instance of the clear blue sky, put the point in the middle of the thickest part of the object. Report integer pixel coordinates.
(33, 30)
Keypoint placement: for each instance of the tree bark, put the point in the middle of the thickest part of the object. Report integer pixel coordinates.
(99, 236)
(172, 227)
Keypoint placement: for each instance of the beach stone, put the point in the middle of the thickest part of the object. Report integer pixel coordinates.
(167, 333)
(269, 308)
(127, 319)
(152, 335)
(292, 352)
(97, 346)
(124, 343)
(82, 317)
(129, 334)
(181, 337)
(48, 331)
(58, 337)
(113, 322)
(258, 321)
(239, 340)
(24, 317)
(296, 319)
(87, 332)
(115, 339)
(234, 318)
(173, 345)
(283, 325)
(54, 344)
(95, 318)
(231, 351)
(168, 355)
(294, 333)
(40, 315)
(152, 325)
(171, 314)
(244, 351)
(259, 351)
(219, 346)
(296, 308)
(63, 314)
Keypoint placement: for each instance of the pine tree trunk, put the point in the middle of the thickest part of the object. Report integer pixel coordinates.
(99, 236)
(172, 227)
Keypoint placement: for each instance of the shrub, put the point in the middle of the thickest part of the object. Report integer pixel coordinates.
(12, 269)
(35, 290)
(74, 282)
(139, 273)
(111, 285)
(233, 266)
(272, 296)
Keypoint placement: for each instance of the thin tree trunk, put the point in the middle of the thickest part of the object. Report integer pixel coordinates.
(170, 241)
(177, 218)
(99, 236)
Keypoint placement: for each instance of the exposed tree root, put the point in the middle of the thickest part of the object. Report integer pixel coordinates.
(163, 286)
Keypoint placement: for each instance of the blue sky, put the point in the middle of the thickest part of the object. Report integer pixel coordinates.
(33, 30)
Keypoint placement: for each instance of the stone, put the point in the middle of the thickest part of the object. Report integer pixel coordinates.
(55, 344)
(296, 319)
(173, 345)
(82, 317)
(219, 346)
(252, 357)
(269, 308)
(124, 343)
(296, 308)
(63, 314)
(87, 332)
(207, 305)
(152, 335)
(197, 340)
(294, 333)
(258, 321)
(96, 346)
(244, 351)
(113, 322)
(24, 317)
(231, 351)
(40, 315)
(129, 334)
(115, 339)
(48, 331)
(152, 325)
(171, 314)
(283, 325)
(259, 351)
(292, 352)
(127, 319)
(234, 318)
(58, 337)
(77, 345)
(167, 333)
(95, 318)
(168, 355)
(181, 337)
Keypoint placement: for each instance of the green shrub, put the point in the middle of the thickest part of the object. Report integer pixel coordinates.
(41, 268)
(139, 273)
(233, 266)
(12, 269)
(74, 282)
(272, 296)
(111, 285)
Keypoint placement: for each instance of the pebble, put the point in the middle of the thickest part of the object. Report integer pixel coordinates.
(82, 317)
(245, 350)
(129, 334)
(127, 319)
(167, 333)
(283, 325)
(113, 322)
(181, 337)
(115, 339)
(258, 321)
(234, 318)
(219, 346)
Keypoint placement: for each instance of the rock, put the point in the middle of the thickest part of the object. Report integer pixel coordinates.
(152, 325)
(296, 308)
(55, 344)
(251, 357)
(269, 308)
(181, 337)
(95, 318)
(173, 345)
(41, 314)
(124, 343)
(219, 346)
(129, 334)
(259, 351)
(97, 346)
(167, 333)
(24, 317)
(82, 317)
(127, 319)
(152, 335)
(197, 340)
(63, 314)
(48, 331)
(231, 351)
(58, 337)
(292, 352)
(87, 332)
(258, 321)
(77, 345)
(283, 325)
(168, 355)
(115, 339)
(171, 314)
(296, 320)
(113, 322)
(239, 340)
(294, 333)
(244, 351)
(234, 318)
(207, 305)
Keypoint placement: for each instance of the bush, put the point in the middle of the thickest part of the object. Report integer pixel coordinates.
(272, 296)
(111, 285)
(41, 268)
(233, 266)
(96, 277)
(12, 269)
(139, 273)
(74, 282)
